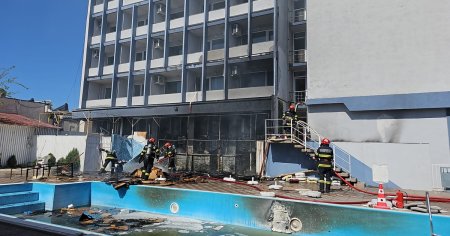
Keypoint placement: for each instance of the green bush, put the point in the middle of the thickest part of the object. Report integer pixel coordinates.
(73, 157)
(61, 161)
(12, 161)
(51, 160)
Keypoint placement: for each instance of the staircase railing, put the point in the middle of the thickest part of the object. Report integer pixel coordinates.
(302, 133)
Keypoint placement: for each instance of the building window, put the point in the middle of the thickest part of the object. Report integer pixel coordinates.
(138, 90)
(254, 79)
(262, 36)
(299, 41)
(173, 87)
(142, 22)
(112, 29)
(214, 83)
(217, 6)
(176, 15)
(141, 56)
(175, 50)
(215, 44)
(107, 93)
(110, 61)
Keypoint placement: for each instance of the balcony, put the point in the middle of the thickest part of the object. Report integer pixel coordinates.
(240, 9)
(164, 98)
(263, 47)
(196, 19)
(175, 60)
(161, 26)
(261, 5)
(193, 96)
(112, 4)
(93, 72)
(139, 65)
(215, 55)
(177, 23)
(239, 51)
(125, 34)
(300, 96)
(299, 56)
(95, 39)
(98, 8)
(128, 2)
(141, 30)
(157, 63)
(124, 67)
(216, 14)
(251, 92)
(121, 102)
(215, 95)
(194, 58)
(98, 103)
(138, 101)
(299, 15)
(110, 37)
(107, 70)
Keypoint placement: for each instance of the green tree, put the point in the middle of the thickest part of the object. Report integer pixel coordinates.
(6, 81)
(51, 160)
(73, 157)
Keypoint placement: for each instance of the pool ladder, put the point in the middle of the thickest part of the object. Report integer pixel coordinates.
(427, 196)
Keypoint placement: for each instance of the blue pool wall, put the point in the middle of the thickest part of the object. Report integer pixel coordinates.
(235, 209)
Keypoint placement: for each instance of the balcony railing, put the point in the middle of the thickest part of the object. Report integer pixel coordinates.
(299, 56)
(299, 15)
(300, 96)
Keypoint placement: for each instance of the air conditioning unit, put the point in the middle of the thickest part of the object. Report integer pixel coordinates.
(234, 71)
(160, 9)
(159, 79)
(158, 44)
(236, 30)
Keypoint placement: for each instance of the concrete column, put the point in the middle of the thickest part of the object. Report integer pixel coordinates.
(249, 28)
(166, 34)
(204, 51)
(184, 79)
(130, 89)
(149, 49)
(226, 45)
(116, 53)
(84, 86)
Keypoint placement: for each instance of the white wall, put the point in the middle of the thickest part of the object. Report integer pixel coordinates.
(366, 47)
(60, 145)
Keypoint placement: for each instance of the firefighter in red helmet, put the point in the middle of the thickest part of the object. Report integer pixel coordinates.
(170, 152)
(290, 118)
(148, 155)
(325, 165)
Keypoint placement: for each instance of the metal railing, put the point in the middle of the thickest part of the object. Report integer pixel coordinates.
(300, 96)
(298, 15)
(35, 170)
(299, 55)
(303, 134)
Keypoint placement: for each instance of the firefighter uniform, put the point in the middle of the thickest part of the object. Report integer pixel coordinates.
(170, 152)
(111, 157)
(325, 167)
(148, 155)
(290, 118)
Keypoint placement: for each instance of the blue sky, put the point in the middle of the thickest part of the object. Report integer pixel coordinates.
(44, 39)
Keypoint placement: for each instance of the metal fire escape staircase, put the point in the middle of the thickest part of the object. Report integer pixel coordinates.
(307, 140)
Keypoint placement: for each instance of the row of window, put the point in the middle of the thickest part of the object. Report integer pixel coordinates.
(253, 79)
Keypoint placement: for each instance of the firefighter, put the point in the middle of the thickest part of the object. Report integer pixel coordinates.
(289, 118)
(148, 155)
(170, 152)
(325, 165)
(110, 157)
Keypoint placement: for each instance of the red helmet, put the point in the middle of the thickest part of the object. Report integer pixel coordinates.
(167, 145)
(292, 107)
(325, 141)
(151, 140)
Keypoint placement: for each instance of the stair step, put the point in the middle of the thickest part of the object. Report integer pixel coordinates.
(344, 174)
(22, 207)
(18, 197)
(352, 180)
(11, 188)
(338, 170)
